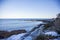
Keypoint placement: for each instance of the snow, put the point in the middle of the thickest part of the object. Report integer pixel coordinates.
(2, 39)
(16, 37)
(37, 32)
(52, 33)
(28, 38)
(32, 36)
(18, 25)
(54, 39)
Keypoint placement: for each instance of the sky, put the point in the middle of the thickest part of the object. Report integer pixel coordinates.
(29, 8)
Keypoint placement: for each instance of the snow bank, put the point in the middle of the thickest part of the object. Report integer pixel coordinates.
(52, 33)
(28, 38)
(32, 36)
(16, 37)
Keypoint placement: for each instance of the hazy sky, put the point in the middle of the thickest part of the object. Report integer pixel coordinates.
(29, 8)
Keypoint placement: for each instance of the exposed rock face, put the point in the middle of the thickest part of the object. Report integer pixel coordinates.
(53, 26)
(5, 34)
(57, 23)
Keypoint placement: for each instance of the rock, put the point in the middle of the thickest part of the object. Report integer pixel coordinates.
(57, 23)
(51, 35)
(51, 29)
(6, 34)
(17, 32)
(54, 25)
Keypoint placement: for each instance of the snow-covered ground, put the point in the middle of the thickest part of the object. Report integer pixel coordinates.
(32, 36)
(16, 37)
(52, 33)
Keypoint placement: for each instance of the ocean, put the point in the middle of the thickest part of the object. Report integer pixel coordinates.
(17, 24)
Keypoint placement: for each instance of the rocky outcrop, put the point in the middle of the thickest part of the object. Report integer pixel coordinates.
(51, 26)
(54, 25)
(57, 23)
(5, 34)
(17, 32)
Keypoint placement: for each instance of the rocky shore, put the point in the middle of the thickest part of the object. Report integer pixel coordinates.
(51, 31)
(6, 34)
(49, 27)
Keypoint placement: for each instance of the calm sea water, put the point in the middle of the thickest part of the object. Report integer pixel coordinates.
(17, 24)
